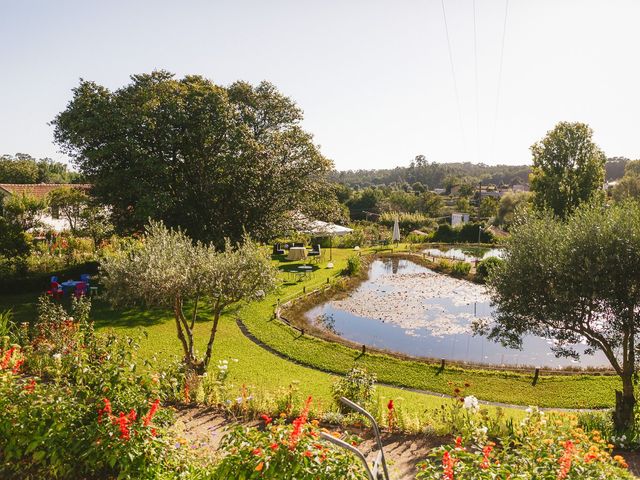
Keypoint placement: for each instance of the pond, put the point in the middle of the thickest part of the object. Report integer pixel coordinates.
(410, 309)
(468, 254)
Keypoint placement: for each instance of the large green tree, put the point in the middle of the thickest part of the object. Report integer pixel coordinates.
(215, 161)
(568, 168)
(572, 281)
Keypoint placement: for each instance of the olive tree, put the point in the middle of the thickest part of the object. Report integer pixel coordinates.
(169, 270)
(572, 281)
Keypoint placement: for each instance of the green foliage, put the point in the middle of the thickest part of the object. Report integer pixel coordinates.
(461, 269)
(407, 221)
(357, 385)
(539, 447)
(509, 205)
(568, 169)
(488, 207)
(86, 407)
(285, 451)
(245, 164)
(14, 241)
(558, 276)
(168, 269)
(23, 168)
(24, 210)
(466, 233)
(354, 264)
(69, 202)
(486, 266)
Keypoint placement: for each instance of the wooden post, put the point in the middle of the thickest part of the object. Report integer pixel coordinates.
(302, 331)
(364, 349)
(535, 376)
(327, 280)
(304, 289)
(442, 364)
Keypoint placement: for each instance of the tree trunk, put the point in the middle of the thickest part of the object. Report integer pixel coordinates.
(625, 403)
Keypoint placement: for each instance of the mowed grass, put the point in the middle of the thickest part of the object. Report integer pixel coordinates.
(263, 371)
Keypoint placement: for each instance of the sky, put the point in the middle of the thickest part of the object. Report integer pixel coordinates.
(373, 77)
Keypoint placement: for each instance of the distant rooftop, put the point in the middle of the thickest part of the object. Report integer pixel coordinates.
(38, 190)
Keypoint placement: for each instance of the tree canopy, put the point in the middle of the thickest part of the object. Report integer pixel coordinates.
(573, 280)
(169, 270)
(23, 168)
(216, 161)
(568, 168)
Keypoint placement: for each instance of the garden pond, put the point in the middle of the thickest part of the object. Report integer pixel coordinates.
(410, 309)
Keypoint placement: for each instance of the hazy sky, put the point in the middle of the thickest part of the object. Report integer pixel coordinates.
(372, 76)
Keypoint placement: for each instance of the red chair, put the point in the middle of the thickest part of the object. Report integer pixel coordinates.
(81, 289)
(55, 291)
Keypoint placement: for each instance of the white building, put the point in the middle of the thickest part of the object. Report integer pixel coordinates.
(459, 219)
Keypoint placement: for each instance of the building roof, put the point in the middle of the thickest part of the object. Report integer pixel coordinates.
(38, 190)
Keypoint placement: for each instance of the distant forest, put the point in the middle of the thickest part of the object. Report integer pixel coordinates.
(443, 175)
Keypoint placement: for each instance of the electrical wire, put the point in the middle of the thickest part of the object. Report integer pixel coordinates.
(495, 117)
(475, 60)
(453, 72)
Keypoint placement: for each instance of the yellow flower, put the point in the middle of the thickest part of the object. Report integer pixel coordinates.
(609, 446)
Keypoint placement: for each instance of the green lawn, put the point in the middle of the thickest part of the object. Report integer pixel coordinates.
(264, 371)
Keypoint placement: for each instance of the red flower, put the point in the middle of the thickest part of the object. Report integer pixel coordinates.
(298, 424)
(16, 367)
(448, 462)
(274, 446)
(257, 451)
(132, 416)
(267, 419)
(486, 451)
(7, 358)
(31, 386)
(565, 460)
(390, 404)
(458, 443)
(122, 422)
(307, 453)
(154, 432)
(106, 409)
(146, 420)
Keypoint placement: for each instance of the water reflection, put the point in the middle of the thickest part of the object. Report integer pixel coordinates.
(468, 254)
(410, 309)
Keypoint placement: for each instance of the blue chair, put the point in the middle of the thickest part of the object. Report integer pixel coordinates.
(54, 279)
(85, 277)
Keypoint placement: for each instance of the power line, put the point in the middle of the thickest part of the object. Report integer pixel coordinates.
(453, 72)
(495, 118)
(475, 59)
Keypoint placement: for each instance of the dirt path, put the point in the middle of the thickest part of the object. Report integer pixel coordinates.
(206, 427)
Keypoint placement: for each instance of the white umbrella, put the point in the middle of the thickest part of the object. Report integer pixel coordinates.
(396, 231)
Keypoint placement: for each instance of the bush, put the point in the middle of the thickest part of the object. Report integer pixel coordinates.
(467, 233)
(285, 452)
(445, 234)
(461, 269)
(354, 263)
(407, 221)
(357, 385)
(537, 447)
(485, 267)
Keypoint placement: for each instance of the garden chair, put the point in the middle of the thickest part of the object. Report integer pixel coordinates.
(85, 277)
(373, 471)
(54, 279)
(55, 290)
(278, 250)
(315, 253)
(81, 289)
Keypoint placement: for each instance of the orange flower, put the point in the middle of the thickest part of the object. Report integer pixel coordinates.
(259, 467)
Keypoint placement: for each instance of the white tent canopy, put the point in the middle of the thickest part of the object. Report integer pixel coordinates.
(325, 229)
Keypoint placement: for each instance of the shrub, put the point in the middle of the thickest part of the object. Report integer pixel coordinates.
(407, 221)
(460, 269)
(540, 447)
(285, 451)
(485, 267)
(354, 264)
(357, 385)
